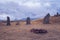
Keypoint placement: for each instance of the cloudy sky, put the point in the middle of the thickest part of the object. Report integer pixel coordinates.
(19, 9)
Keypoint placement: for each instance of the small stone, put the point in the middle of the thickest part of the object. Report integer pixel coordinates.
(17, 23)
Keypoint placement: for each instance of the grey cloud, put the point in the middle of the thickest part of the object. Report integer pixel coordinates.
(12, 7)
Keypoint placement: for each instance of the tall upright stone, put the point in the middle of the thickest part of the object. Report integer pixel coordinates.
(58, 14)
(46, 19)
(8, 21)
(28, 20)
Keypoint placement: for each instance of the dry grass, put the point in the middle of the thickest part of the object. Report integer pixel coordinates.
(22, 31)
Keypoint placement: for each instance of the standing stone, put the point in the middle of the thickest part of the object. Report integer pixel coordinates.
(57, 14)
(28, 20)
(8, 21)
(46, 19)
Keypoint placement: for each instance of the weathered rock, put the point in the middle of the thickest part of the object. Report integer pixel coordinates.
(39, 31)
(8, 21)
(46, 19)
(28, 20)
(57, 14)
(17, 23)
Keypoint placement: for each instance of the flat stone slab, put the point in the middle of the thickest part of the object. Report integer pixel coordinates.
(39, 31)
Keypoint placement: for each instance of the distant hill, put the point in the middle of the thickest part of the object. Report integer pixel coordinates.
(55, 19)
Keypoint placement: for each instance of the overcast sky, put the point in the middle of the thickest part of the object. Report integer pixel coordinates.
(33, 8)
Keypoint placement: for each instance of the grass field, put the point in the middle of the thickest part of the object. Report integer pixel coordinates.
(22, 31)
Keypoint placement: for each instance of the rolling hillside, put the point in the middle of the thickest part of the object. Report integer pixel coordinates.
(22, 31)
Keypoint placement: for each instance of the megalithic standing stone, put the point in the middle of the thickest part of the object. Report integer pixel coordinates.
(58, 14)
(8, 21)
(28, 20)
(46, 19)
